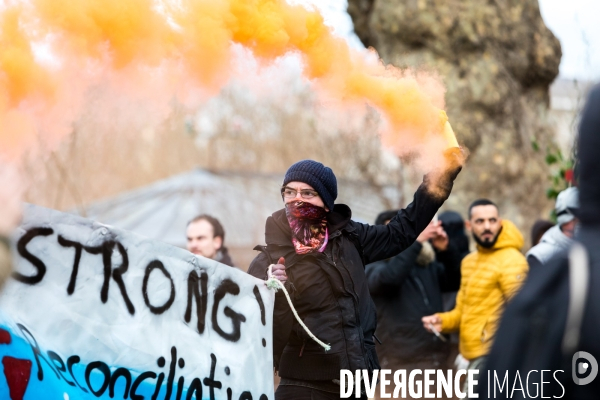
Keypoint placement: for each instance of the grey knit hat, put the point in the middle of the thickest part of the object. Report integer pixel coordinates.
(320, 177)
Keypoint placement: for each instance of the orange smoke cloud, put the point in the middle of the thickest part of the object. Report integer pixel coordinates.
(129, 31)
(21, 76)
(188, 43)
(410, 103)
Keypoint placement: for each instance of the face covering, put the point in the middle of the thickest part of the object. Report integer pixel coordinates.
(309, 227)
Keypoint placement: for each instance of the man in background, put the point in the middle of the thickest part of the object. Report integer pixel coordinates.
(490, 276)
(206, 237)
(560, 236)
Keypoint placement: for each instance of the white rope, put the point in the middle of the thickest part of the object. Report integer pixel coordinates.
(275, 284)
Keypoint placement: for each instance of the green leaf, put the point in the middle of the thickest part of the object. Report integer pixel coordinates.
(553, 216)
(561, 172)
(551, 159)
(569, 164)
(535, 145)
(551, 193)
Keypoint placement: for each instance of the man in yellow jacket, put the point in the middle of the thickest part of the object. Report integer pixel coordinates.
(490, 276)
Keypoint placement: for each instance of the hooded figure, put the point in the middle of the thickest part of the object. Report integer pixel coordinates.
(454, 226)
(320, 253)
(531, 336)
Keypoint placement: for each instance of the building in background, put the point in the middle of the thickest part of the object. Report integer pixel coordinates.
(567, 97)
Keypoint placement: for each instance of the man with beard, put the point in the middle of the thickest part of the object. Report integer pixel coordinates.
(490, 276)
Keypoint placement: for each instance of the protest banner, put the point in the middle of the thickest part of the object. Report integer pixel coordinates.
(92, 311)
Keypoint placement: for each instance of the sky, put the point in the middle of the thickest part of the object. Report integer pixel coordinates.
(576, 23)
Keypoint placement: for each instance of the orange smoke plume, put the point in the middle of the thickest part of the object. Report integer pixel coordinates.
(187, 44)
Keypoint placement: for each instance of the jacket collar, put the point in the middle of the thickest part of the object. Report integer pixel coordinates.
(338, 219)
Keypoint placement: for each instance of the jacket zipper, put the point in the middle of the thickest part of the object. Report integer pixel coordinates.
(355, 300)
(302, 348)
(422, 290)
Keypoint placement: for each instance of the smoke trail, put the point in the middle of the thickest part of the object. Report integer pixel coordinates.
(54, 52)
(188, 44)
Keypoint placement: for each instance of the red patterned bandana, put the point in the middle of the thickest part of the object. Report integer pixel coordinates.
(309, 227)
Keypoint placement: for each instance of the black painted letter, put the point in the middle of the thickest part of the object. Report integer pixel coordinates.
(103, 368)
(78, 247)
(201, 297)
(23, 252)
(227, 286)
(36, 353)
(106, 249)
(70, 361)
(195, 390)
(113, 381)
(151, 267)
(60, 366)
(138, 381)
(210, 381)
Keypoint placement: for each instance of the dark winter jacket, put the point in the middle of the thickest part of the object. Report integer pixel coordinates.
(330, 290)
(224, 258)
(530, 336)
(405, 291)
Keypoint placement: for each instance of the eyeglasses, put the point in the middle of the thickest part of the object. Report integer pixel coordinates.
(290, 193)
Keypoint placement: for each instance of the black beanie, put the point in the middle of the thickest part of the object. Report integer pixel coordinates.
(315, 174)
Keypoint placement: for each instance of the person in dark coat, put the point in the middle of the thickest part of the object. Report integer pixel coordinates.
(319, 252)
(556, 316)
(454, 226)
(406, 288)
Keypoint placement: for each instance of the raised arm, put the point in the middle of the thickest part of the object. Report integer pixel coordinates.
(384, 241)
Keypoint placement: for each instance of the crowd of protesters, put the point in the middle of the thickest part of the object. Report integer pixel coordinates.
(400, 294)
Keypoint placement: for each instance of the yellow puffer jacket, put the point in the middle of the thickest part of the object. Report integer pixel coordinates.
(489, 277)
